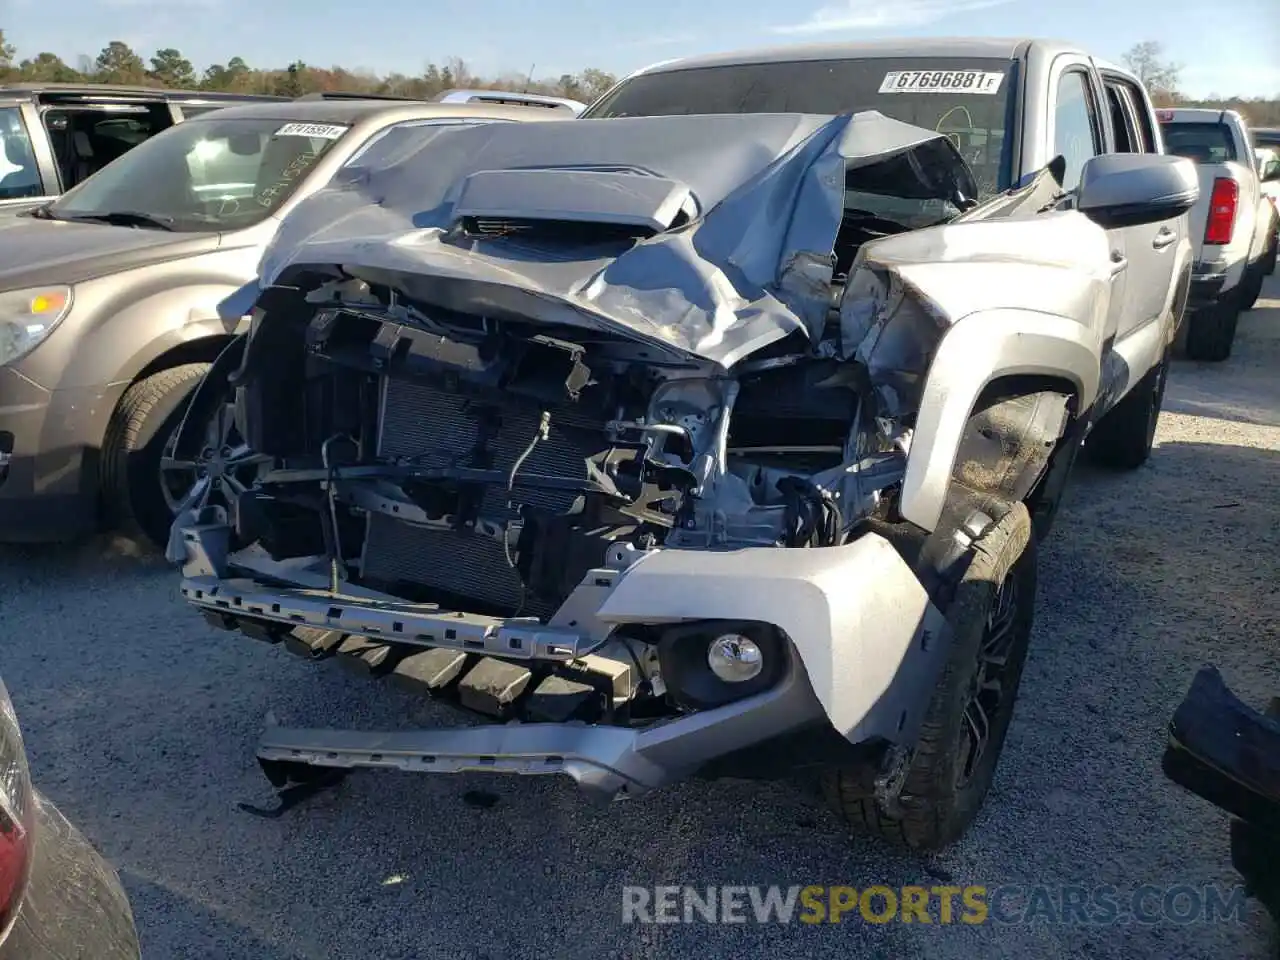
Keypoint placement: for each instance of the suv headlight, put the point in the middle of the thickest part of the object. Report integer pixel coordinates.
(17, 815)
(27, 317)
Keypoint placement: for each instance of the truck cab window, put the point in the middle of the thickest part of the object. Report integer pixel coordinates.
(1075, 134)
(1127, 140)
(1129, 118)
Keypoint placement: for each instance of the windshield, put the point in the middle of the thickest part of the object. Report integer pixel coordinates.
(968, 99)
(1201, 142)
(203, 174)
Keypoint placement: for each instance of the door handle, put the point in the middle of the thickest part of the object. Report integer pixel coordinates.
(1164, 238)
(1119, 262)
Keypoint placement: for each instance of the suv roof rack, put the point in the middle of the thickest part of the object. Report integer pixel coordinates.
(88, 89)
(510, 97)
(344, 95)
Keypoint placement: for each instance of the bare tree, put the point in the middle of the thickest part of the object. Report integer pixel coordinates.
(1158, 75)
(7, 52)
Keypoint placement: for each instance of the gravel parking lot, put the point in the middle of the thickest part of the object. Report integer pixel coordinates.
(141, 724)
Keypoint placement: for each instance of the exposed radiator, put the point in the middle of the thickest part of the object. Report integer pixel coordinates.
(441, 428)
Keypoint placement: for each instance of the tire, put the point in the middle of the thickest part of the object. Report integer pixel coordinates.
(1123, 438)
(1269, 261)
(1211, 330)
(142, 424)
(945, 784)
(1251, 283)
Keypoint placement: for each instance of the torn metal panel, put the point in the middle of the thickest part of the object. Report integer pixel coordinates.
(908, 290)
(719, 287)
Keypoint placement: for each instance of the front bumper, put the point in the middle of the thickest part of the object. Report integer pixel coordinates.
(48, 463)
(866, 647)
(74, 907)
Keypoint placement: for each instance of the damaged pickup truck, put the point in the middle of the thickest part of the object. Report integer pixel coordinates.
(646, 439)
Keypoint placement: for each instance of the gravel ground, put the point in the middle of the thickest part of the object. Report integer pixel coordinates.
(141, 724)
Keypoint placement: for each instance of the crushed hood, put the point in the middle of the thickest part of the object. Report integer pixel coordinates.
(737, 217)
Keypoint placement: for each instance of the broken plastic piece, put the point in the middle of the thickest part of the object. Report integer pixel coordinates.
(492, 686)
(317, 781)
(433, 669)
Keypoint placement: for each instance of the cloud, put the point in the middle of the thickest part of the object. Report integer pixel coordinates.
(878, 14)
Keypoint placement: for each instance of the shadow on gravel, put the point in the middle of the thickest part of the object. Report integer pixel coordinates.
(1237, 406)
(201, 935)
(96, 553)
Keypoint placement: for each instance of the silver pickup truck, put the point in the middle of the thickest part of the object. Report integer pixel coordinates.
(711, 434)
(1234, 226)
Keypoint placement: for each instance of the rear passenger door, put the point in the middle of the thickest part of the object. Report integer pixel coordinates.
(1077, 133)
(1153, 248)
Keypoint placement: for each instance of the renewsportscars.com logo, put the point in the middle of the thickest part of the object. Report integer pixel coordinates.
(972, 905)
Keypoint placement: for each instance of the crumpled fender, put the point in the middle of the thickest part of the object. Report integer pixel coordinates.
(871, 641)
(232, 309)
(241, 303)
(979, 349)
(211, 391)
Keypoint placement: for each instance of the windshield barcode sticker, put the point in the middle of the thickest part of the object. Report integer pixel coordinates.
(941, 81)
(319, 131)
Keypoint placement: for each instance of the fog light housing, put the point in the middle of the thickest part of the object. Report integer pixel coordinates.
(710, 663)
(735, 658)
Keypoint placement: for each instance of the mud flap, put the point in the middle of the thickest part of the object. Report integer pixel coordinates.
(1229, 754)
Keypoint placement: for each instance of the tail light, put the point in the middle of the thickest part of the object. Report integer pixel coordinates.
(17, 809)
(1222, 211)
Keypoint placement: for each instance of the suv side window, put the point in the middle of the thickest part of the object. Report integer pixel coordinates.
(19, 175)
(1075, 132)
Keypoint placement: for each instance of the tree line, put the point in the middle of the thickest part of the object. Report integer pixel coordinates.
(1162, 78)
(117, 62)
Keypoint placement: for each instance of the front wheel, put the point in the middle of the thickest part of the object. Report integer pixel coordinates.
(143, 486)
(968, 717)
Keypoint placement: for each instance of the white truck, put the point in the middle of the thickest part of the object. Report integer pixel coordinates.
(1234, 224)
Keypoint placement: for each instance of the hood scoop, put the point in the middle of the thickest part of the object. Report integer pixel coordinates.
(574, 205)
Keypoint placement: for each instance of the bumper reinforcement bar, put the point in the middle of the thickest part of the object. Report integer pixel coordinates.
(411, 624)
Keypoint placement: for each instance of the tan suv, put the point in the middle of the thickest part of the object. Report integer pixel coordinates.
(108, 304)
(55, 135)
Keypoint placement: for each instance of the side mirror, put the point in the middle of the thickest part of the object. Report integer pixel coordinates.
(1132, 189)
(1271, 171)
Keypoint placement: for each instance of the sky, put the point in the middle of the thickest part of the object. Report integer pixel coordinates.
(1229, 47)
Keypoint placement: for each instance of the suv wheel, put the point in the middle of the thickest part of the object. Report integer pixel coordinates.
(964, 730)
(1211, 330)
(1123, 438)
(143, 486)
